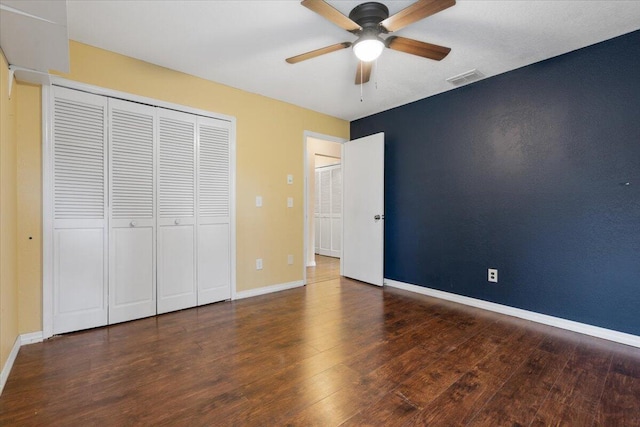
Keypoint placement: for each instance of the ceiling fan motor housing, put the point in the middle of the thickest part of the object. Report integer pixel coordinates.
(369, 15)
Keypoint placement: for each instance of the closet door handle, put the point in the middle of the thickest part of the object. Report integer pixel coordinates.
(177, 221)
(133, 223)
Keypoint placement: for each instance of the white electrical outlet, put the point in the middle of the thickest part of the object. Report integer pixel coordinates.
(258, 201)
(258, 263)
(290, 259)
(492, 275)
(289, 202)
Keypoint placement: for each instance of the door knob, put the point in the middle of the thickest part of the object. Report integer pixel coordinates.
(133, 223)
(177, 221)
(378, 217)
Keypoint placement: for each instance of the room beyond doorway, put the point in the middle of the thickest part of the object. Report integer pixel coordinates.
(326, 268)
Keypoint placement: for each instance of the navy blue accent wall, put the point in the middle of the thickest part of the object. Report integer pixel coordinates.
(523, 172)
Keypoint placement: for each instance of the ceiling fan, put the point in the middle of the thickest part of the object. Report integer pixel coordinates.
(369, 21)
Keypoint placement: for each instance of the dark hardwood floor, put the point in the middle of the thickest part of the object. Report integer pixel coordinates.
(333, 353)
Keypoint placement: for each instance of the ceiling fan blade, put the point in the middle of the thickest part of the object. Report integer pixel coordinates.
(328, 12)
(364, 72)
(318, 52)
(417, 11)
(415, 47)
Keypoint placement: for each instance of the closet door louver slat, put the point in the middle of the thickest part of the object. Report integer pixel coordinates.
(177, 183)
(131, 164)
(213, 171)
(79, 177)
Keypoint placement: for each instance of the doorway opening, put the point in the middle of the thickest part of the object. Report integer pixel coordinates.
(323, 207)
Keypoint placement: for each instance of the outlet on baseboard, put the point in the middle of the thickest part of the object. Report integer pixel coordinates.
(258, 263)
(492, 275)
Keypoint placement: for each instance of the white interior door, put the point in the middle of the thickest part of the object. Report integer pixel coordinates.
(176, 261)
(363, 212)
(214, 210)
(132, 237)
(79, 211)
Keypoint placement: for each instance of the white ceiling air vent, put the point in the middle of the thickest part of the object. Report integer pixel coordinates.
(466, 77)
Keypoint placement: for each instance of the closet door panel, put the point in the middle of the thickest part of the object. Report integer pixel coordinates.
(214, 262)
(79, 210)
(176, 211)
(79, 278)
(132, 283)
(213, 219)
(132, 273)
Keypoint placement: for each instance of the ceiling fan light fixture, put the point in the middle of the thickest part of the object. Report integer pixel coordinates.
(368, 48)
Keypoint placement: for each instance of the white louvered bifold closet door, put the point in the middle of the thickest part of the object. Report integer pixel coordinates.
(79, 211)
(336, 211)
(317, 226)
(132, 275)
(176, 261)
(214, 210)
(329, 210)
(325, 211)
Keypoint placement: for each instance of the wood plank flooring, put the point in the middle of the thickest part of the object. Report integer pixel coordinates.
(334, 353)
(326, 268)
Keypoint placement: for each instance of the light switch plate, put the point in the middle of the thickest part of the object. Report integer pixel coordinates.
(258, 201)
(289, 202)
(289, 179)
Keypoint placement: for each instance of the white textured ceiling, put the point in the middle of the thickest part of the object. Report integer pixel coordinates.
(244, 43)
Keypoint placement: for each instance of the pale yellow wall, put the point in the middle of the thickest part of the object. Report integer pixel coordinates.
(8, 219)
(269, 143)
(316, 147)
(29, 182)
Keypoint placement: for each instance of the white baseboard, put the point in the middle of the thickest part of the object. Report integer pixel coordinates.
(6, 369)
(21, 340)
(31, 338)
(268, 289)
(583, 328)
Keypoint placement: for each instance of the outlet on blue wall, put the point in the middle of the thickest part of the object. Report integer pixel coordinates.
(524, 172)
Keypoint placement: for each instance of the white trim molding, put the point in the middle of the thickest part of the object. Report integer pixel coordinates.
(268, 290)
(6, 369)
(570, 325)
(31, 338)
(21, 340)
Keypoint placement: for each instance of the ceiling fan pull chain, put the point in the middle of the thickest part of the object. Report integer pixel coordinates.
(361, 78)
(376, 74)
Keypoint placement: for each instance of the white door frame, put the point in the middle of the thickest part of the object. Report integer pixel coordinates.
(308, 134)
(47, 182)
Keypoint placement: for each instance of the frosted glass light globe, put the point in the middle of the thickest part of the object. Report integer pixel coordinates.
(368, 50)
